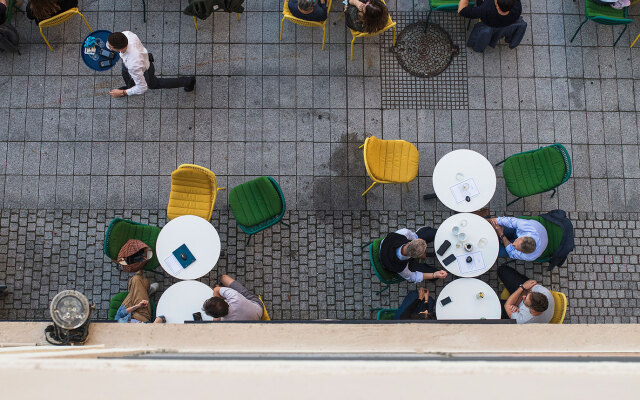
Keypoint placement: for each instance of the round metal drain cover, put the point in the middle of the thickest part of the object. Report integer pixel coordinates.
(424, 54)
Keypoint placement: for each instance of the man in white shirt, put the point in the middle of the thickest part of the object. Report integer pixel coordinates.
(529, 302)
(520, 239)
(138, 71)
(233, 302)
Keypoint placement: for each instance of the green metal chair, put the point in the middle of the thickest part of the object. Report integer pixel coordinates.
(257, 205)
(387, 278)
(536, 171)
(120, 230)
(605, 15)
(385, 314)
(116, 302)
(443, 5)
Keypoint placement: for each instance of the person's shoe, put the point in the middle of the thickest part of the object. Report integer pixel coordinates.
(191, 86)
(153, 288)
(162, 317)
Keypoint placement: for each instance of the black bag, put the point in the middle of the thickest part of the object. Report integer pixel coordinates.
(9, 39)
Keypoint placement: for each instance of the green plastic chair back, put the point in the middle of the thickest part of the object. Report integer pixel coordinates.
(386, 314)
(386, 277)
(537, 171)
(554, 234)
(116, 302)
(257, 204)
(120, 230)
(606, 15)
(446, 5)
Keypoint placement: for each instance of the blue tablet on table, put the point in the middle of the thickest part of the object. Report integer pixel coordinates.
(97, 41)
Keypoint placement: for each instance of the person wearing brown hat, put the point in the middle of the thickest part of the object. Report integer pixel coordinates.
(400, 252)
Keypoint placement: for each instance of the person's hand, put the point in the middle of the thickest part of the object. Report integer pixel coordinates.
(421, 293)
(529, 284)
(143, 303)
(499, 230)
(345, 8)
(514, 309)
(440, 274)
(117, 93)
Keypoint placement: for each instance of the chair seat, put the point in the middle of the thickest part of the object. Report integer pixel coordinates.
(594, 10)
(391, 160)
(443, 5)
(255, 201)
(386, 314)
(121, 230)
(193, 192)
(534, 172)
(554, 234)
(559, 307)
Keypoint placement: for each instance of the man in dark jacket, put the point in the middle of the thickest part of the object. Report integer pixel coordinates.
(401, 250)
(493, 13)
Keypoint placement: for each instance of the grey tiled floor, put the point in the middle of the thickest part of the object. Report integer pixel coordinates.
(72, 158)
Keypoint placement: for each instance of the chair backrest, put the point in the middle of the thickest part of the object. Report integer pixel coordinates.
(121, 230)
(560, 307)
(265, 314)
(385, 276)
(554, 235)
(59, 18)
(390, 160)
(193, 192)
(386, 314)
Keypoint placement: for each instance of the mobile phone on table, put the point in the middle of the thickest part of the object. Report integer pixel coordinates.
(449, 259)
(446, 301)
(443, 247)
(104, 63)
(107, 54)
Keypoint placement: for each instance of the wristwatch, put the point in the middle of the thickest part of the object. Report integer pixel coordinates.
(521, 287)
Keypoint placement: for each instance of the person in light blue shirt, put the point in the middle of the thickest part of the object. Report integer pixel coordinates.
(520, 239)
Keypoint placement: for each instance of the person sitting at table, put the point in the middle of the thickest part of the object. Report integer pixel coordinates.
(529, 302)
(39, 10)
(401, 250)
(493, 13)
(233, 302)
(369, 16)
(135, 307)
(520, 239)
(417, 305)
(309, 10)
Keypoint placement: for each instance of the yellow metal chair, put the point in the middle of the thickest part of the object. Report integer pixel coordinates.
(193, 192)
(196, 22)
(60, 19)
(286, 14)
(559, 308)
(390, 161)
(265, 314)
(356, 34)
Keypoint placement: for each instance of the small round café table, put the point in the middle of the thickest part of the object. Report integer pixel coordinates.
(200, 237)
(458, 168)
(479, 234)
(93, 60)
(470, 299)
(182, 299)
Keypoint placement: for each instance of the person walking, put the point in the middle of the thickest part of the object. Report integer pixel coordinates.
(138, 71)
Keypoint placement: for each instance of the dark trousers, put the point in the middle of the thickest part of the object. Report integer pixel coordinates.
(153, 82)
(427, 234)
(512, 279)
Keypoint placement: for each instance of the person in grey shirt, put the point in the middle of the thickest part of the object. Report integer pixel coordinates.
(530, 302)
(233, 302)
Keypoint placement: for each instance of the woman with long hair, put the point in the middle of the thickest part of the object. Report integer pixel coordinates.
(368, 16)
(39, 10)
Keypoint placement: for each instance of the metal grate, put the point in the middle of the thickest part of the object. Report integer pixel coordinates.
(446, 91)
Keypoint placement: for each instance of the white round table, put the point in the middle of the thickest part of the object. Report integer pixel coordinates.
(466, 302)
(201, 239)
(182, 299)
(458, 167)
(475, 228)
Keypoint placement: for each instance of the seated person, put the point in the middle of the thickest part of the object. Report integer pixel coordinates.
(309, 10)
(3, 11)
(530, 302)
(369, 16)
(400, 251)
(233, 302)
(417, 305)
(493, 13)
(520, 239)
(39, 10)
(135, 307)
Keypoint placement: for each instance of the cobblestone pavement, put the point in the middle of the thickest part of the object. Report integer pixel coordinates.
(72, 158)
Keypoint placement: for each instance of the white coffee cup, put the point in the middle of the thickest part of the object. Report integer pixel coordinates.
(455, 230)
(462, 236)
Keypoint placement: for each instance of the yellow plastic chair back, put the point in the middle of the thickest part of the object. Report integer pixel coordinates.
(357, 34)
(390, 161)
(265, 314)
(193, 192)
(559, 308)
(60, 19)
(286, 14)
